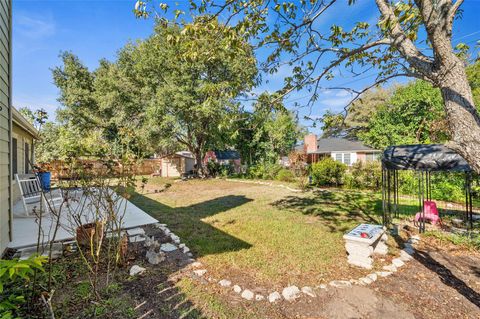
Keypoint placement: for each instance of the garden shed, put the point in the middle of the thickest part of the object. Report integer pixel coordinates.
(178, 164)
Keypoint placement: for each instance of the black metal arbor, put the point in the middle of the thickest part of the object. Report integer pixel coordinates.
(423, 160)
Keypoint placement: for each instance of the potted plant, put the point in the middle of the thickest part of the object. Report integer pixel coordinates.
(90, 232)
(43, 172)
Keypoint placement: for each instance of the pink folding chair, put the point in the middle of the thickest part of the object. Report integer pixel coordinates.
(431, 213)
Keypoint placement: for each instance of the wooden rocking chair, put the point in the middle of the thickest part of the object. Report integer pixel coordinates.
(32, 192)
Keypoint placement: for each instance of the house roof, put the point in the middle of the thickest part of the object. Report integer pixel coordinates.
(21, 121)
(227, 155)
(421, 157)
(328, 145)
(185, 154)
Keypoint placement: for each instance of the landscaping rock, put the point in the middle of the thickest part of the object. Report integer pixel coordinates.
(196, 264)
(391, 268)
(225, 283)
(168, 247)
(247, 294)
(136, 239)
(136, 231)
(291, 293)
(200, 272)
(274, 296)
(259, 297)
(322, 286)
(384, 273)
(365, 281)
(136, 270)
(340, 283)
(309, 291)
(404, 256)
(237, 289)
(397, 262)
(154, 257)
(150, 242)
(186, 250)
(373, 277)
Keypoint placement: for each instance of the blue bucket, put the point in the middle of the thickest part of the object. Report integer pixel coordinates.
(44, 178)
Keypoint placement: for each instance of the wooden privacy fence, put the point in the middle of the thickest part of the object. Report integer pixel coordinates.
(59, 169)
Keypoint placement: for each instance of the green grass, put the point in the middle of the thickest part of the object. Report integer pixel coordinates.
(273, 235)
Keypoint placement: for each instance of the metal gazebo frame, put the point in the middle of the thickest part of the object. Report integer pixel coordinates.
(422, 159)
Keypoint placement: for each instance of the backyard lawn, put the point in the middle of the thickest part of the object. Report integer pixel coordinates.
(261, 235)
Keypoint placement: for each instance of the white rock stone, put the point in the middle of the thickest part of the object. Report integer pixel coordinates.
(340, 283)
(186, 250)
(136, 239)
(391, 268)
(200, 272)
(237, 289)
(259, 297)
(291, 293)
(154, 257)
(404, 256)
(247, 294)
(322, 286)
(397, 262)
(384, 273)
(274, 296)
(309, 291)
(135, 270)
(168, 247)
(373, 277)
(189, 254)
(181, 246)
(196, 264)
(365, 281)
(225, 283)
(136, 231)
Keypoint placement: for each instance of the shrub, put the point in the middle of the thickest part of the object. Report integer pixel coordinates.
(264, 171)
(285, 175)
(13, 273)
(213, 168)
(364, 175)
(328, 172)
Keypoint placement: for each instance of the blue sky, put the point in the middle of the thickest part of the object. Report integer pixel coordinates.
(97, 29)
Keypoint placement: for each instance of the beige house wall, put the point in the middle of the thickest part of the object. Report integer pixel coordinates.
(5, 123)
(22, 137)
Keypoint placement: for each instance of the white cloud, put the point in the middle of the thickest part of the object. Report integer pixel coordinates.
(34, 27)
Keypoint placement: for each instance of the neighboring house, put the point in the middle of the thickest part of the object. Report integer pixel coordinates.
(178, 164)
(228, 157)
(340, 149)
(5, 123)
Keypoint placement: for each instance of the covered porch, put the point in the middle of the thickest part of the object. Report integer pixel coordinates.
(26, 231)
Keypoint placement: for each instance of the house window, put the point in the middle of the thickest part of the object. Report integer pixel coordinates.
(14, 158)
(370, 157)
(344, 158)
(27, 158)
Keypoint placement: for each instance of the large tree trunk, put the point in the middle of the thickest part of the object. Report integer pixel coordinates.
(199, 162)
(462, 116)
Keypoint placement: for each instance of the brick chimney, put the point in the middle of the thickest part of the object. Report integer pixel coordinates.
(310, 141)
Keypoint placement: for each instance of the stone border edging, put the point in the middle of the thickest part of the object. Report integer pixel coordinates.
(292, 292)
(296, 190)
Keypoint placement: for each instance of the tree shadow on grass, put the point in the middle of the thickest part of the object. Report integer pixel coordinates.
(338, 210)
(186, 222)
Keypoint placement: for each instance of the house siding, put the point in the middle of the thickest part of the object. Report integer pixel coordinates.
(5, 123)
(22, 137)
